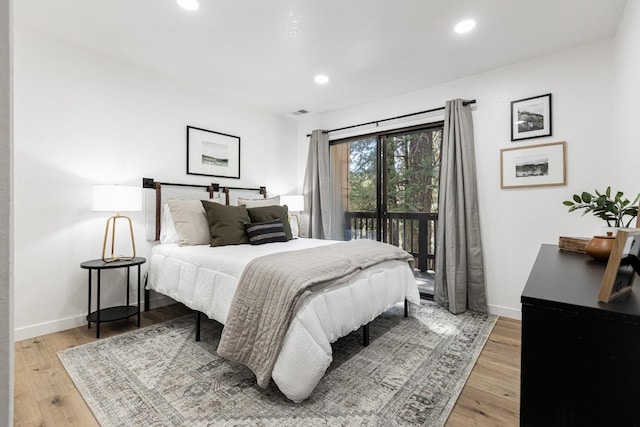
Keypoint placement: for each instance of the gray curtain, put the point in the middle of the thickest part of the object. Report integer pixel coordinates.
(459, 281)
(316, 188)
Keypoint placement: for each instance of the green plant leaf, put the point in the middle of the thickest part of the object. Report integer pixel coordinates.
(601, 205)
(618, 196)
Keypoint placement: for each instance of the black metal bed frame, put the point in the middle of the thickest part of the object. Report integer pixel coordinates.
(365, 328)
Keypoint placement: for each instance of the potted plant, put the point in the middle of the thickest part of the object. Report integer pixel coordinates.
(613, 210)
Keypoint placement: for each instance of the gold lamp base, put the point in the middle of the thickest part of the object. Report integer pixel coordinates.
(111, 224)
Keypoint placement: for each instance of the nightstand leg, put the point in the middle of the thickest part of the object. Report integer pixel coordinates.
(89, 308)
(138, 295)
(127, 285)
(98, 309)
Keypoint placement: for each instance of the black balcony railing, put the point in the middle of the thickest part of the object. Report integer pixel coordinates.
(412, 231)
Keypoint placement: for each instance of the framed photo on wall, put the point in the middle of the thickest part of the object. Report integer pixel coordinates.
(212, 153)
(540, 165)
(531, 117)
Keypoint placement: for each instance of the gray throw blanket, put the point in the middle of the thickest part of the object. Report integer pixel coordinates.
(272, 287)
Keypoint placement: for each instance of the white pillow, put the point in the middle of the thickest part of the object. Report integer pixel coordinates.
(168, 233)
(294, 224)
(190, 221)
(258, 203)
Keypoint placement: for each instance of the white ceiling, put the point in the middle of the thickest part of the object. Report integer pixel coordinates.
(266, 52)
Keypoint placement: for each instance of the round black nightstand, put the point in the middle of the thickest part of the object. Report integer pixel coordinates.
(112, 313)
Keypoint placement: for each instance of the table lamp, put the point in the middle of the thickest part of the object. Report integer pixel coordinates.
(294, 203)
(116, 198)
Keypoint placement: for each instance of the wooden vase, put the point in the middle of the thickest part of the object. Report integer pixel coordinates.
(599, 247)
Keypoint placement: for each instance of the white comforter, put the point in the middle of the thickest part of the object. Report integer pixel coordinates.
(205, 278)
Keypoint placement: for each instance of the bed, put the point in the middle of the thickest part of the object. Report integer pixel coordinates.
(206, 278)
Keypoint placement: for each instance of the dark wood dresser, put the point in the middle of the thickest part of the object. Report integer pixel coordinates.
(580, 358)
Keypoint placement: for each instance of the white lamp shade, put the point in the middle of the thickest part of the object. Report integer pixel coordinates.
(294, 203)
(116, 198)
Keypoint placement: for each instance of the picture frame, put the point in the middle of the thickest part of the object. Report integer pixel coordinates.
(531, 117)
(540, 165)
(211, 153)
(622, 266)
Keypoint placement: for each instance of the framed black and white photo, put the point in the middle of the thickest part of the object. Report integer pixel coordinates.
(531, 117)
(212, 153)
(541, 165)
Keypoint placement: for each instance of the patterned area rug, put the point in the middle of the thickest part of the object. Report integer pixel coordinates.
(410, 374)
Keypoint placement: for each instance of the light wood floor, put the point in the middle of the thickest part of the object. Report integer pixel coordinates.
(491, 396)
(46, 396)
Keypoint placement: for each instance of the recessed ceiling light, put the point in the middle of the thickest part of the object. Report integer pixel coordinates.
(189, 4)
(464, 26)
(321, 79)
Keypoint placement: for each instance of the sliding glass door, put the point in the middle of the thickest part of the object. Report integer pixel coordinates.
(385, 187)
(410, 192)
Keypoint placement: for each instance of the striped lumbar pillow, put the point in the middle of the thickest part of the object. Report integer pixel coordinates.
(265, 232)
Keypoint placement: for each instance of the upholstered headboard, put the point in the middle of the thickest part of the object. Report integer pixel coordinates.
(158, 192)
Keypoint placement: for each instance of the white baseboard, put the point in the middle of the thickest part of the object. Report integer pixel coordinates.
(509, 312)
(31, 331)
(45, 328)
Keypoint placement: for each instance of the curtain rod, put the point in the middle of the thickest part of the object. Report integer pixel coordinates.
(376, 122)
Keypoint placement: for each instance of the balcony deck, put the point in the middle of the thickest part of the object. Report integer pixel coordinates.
(425, 280)
(412, 231)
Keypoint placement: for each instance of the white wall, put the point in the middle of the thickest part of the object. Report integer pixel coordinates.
(6, 214)
(625, 135)
(515, 222)
(82, 118)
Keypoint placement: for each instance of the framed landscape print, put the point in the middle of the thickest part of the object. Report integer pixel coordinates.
(531, 117)
(212, 153)
(541, 165)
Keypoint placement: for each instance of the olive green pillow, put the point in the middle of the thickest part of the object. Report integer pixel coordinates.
(226, 223)
(269, 213)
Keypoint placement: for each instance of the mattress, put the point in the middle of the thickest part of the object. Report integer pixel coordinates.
(204, 279)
